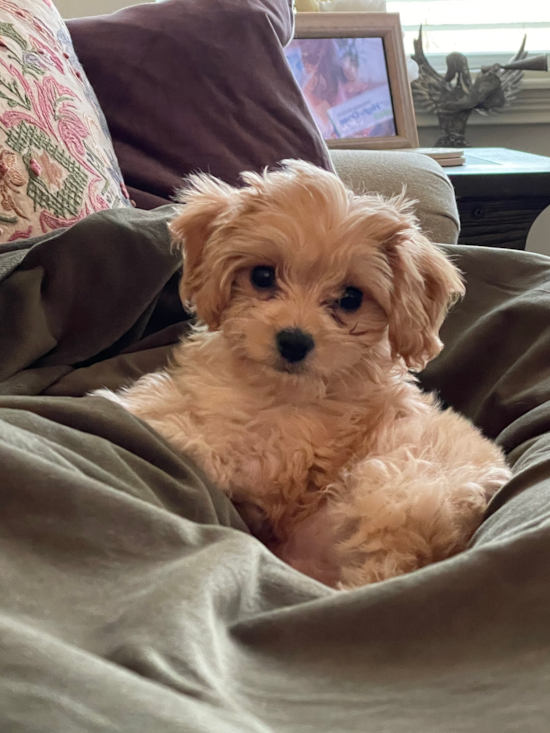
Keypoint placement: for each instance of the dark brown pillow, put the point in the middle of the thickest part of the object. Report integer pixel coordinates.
(189, 85)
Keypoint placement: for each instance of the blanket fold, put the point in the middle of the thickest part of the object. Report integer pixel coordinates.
(84, 294)
(132, 597)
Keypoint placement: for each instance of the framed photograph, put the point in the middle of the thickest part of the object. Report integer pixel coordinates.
(352, 70)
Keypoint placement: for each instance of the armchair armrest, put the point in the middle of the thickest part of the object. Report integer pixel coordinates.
(388, 171)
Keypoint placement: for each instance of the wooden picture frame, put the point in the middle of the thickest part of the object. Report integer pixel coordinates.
(387, 27)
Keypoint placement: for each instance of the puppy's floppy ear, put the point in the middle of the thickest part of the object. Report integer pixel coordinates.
(208, 205)
(425, 284)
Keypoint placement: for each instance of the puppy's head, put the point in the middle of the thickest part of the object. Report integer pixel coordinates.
(303, 276)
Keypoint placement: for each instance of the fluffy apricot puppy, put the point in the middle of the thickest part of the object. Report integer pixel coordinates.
(295, 394)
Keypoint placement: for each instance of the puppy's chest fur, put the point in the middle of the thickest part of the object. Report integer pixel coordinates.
(253, 440)
(274, 445)
(284, 447)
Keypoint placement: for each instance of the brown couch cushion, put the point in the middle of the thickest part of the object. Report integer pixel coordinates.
(191, 85)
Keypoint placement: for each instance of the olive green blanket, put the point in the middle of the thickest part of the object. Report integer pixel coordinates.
(132, 598)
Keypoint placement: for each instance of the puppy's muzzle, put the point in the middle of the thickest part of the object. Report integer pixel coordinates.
(294, 344)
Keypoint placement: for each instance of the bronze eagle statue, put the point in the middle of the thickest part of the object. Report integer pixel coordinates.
(454, 96)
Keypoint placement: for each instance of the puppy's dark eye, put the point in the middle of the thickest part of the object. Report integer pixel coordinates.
(351, 300)
(263, 276)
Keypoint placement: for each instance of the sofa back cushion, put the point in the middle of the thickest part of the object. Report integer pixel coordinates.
(189, 85)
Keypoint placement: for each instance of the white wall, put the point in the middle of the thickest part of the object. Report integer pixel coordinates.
(539, 235)
(83, 8)
(529, 137)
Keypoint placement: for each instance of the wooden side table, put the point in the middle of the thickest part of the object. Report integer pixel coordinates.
(499, 195)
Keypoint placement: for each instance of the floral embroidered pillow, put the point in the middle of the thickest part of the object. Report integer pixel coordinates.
(57, 162)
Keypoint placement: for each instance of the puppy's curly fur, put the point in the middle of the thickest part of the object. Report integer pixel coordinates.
(333, 455)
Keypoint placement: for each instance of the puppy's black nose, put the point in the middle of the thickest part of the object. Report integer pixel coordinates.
(294, 344)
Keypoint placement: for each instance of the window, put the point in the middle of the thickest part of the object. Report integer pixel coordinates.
(484, 30)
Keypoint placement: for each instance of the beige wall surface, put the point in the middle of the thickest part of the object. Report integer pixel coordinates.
(83, 8)
(529, 138)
